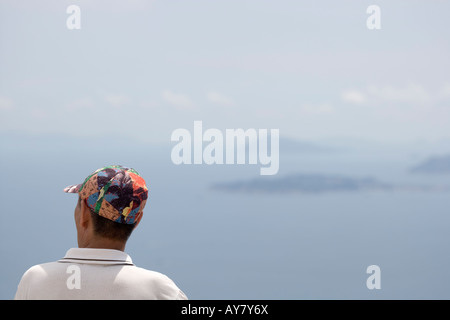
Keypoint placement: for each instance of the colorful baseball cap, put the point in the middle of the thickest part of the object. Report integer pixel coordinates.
(114, 192)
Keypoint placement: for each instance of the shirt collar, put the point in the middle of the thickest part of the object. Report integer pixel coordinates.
(96, 256)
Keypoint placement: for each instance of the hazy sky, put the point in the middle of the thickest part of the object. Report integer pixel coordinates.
(144, 68)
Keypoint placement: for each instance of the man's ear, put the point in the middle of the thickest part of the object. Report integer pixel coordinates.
(137, 222)
(85, 216)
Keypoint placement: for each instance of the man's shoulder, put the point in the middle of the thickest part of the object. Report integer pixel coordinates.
(149, 274)
(37, 277)
(42, 270)
(152, 279)
(145, 275)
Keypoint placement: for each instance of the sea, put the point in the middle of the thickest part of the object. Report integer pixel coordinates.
(235, 245)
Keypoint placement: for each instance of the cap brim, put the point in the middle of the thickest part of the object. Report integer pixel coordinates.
(73, 189)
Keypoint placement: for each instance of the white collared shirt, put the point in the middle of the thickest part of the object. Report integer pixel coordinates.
(86, 273)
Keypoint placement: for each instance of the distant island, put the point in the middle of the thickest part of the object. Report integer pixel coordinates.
(318, 184)
(434, 165)
(306, 183)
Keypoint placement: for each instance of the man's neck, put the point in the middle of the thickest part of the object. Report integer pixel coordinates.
(103, 243)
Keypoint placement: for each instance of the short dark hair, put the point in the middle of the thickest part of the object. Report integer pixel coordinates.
(109, 229)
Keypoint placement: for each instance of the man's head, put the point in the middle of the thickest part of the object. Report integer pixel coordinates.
(110, 205)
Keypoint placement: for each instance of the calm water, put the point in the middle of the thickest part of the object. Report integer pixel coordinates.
(218, 245)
